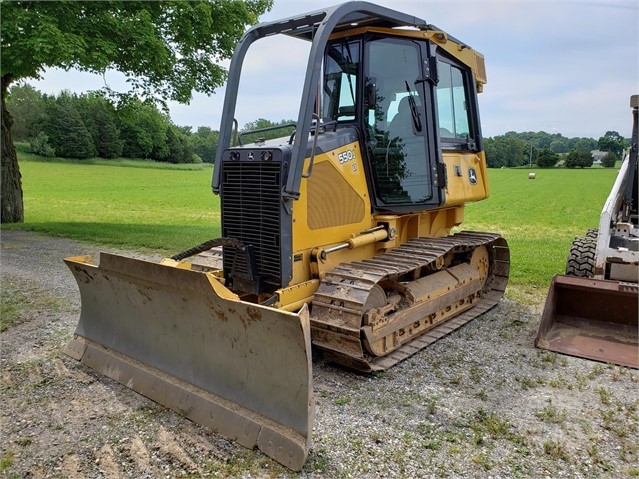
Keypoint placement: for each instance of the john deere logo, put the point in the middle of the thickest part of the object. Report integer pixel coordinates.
(472, 176)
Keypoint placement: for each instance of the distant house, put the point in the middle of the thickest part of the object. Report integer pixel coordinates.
(597, 156)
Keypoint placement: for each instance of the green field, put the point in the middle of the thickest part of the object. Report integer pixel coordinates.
(540, 218)
(170, 209)
(133, 204)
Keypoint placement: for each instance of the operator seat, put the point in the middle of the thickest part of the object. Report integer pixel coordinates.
(402, 123)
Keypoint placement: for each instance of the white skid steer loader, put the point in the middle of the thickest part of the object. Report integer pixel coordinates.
(592, 311)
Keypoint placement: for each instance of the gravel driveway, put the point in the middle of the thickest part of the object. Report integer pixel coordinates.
(480, 403)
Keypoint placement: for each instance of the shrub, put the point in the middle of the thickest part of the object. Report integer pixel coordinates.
(40, 145)
(610, 159)
(547, 158)
(578, 159)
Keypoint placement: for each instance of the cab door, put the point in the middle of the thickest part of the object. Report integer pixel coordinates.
(401, 143)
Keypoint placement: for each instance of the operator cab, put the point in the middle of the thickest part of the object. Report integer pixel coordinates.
(409, 100)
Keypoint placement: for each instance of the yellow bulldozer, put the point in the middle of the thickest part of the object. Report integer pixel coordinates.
(337, 237)
(593, 310)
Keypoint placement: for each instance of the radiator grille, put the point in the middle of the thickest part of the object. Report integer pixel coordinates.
(251, 213)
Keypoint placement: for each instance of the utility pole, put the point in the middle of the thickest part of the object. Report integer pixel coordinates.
(530, 157)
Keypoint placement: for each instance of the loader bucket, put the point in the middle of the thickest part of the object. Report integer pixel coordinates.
(591, 318)
(182, 339)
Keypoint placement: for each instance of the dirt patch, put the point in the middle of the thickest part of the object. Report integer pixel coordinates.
(482, 402)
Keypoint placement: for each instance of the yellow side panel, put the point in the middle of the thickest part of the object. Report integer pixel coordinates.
(467, 180)
(332, 201)
(334, 205)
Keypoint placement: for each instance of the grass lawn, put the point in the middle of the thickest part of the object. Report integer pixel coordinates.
(541, 217)
(130, 204)
(170, 208)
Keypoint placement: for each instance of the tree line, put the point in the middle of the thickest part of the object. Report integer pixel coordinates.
(543, 149)
(92, 125)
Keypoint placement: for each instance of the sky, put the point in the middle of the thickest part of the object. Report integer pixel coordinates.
(564, 67)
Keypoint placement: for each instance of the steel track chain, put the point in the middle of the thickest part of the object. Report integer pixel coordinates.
(340, 300)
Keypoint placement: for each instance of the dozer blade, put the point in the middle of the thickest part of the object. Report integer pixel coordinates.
(591, 318)
(182, 339)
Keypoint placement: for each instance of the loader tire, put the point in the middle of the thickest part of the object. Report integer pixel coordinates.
(581, 260)
(593, 233)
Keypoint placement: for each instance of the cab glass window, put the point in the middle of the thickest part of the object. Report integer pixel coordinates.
(340, 81)
(452, 103)
(396, 122)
